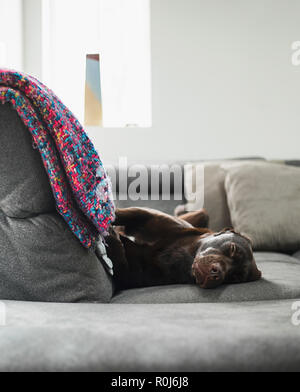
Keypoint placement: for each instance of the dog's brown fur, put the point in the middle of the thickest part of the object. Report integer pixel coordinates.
(176, 250)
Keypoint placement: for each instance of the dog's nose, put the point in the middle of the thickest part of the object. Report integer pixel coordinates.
(216, 271)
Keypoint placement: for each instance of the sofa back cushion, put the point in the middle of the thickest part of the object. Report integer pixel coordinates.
(40, 258)
(25, 188)
(210, 193)
(210, 190)
(264, 203)
(154, 185)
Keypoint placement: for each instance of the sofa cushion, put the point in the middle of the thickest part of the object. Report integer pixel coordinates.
(249, 336)
(297, 255)
(40, 258)
(210, 190)
(24, 185)
(281, 280)
(264, 203)
(141, 185)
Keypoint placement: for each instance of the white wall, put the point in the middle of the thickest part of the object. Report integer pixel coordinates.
(11, 32)
(223, 83)
(32, 34)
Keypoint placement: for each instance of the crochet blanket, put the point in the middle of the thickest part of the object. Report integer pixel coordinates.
(77, 177)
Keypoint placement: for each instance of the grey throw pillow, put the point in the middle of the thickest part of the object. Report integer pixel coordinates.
(40, 258)
(264, 203)
(210, 192)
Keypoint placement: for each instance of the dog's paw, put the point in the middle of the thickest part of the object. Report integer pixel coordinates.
(180, 210)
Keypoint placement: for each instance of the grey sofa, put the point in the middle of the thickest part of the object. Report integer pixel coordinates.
(245, 327)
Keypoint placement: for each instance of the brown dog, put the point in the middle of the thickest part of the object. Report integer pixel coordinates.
(169, 250)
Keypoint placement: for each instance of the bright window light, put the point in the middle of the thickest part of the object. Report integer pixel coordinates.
(120, 32)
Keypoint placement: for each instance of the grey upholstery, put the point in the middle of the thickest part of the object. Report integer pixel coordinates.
(176, 328)
(281, 280)
(166, 202)
(25, 189)
(269, 211)
(40, 259)
(249, 336)
(297, 255)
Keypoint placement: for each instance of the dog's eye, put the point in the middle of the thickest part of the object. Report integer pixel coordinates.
(233, 249)
(230, 249)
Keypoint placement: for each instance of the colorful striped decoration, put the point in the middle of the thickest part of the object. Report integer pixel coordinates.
(78, 179)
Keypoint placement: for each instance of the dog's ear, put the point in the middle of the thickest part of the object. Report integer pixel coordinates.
(254, 273)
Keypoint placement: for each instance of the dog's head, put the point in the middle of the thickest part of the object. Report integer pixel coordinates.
(224, 257)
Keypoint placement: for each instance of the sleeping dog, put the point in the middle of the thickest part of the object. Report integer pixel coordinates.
(150, 248)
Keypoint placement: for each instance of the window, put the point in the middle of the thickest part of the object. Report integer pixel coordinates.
(11, 40)
(120, 32)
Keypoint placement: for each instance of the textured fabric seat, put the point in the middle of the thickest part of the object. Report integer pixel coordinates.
(40, 258)
(281, 277)
(248, 336)
(246, 327)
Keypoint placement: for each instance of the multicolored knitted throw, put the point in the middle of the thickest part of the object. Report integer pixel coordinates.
(78, 179)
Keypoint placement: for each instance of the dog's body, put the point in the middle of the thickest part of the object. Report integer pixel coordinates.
(171, 250)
